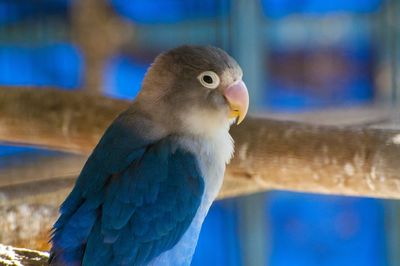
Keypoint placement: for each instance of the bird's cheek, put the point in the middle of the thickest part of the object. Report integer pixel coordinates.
(237, 97)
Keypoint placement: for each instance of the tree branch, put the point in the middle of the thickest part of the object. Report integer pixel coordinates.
(21, 256)
(269, 154)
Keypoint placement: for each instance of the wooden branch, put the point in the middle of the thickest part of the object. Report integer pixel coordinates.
(20, 256)
(26, 167)
(321, 159)
(270, 154)
(61, 120)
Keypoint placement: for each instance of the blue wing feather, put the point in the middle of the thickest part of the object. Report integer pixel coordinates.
(118, 148)
(147, 228)
(128, 208)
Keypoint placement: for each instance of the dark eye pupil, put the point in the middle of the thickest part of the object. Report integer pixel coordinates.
(207, 79)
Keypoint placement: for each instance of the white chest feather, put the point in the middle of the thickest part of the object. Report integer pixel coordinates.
(214, 153)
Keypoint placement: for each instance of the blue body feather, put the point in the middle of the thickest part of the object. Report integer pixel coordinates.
(133, 200)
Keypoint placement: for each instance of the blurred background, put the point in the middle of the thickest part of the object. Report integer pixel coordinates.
(297, 55)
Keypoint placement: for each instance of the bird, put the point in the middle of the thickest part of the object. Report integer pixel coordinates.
(147, 186)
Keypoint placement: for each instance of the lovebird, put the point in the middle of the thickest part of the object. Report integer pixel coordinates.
(146, 188)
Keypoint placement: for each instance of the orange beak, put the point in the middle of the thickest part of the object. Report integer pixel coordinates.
(238, 98)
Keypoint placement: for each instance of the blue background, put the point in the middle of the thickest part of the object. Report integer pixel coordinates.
(300, 229)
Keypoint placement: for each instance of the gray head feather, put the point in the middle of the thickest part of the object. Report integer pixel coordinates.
(171, 89)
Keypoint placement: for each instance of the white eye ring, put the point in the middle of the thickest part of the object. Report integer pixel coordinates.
(209, 79)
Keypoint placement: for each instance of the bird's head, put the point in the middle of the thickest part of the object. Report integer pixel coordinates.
(195, 88)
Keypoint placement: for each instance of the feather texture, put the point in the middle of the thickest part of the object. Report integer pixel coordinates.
(128, 209)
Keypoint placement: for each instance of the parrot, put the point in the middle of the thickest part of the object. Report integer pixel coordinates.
(146, 188)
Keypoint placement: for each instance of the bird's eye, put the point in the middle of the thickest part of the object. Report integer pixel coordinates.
(209, 79)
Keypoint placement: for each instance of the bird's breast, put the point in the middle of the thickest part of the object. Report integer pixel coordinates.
(212, 155)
